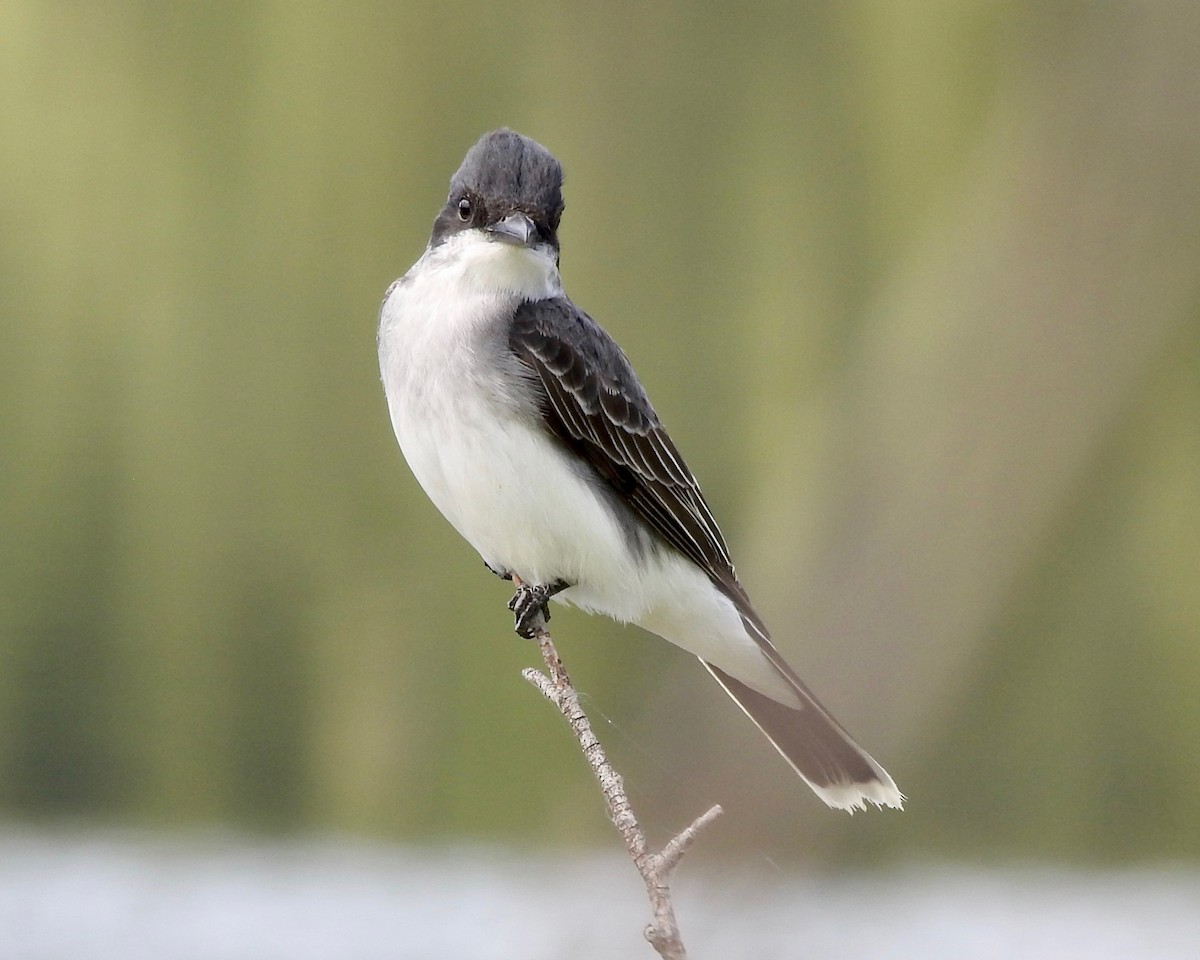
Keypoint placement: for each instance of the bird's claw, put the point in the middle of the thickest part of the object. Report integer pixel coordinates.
(531, 606)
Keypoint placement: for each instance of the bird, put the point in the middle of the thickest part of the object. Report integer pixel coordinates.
(525, 424)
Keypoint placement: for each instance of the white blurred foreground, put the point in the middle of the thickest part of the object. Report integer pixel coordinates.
(86, 896)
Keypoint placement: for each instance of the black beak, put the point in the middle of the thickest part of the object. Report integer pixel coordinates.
(515, 228)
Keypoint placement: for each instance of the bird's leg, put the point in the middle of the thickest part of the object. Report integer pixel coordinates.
(530, 604)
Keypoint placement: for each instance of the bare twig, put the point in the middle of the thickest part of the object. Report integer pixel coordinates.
(655, 868)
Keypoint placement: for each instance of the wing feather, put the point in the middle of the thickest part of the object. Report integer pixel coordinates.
(594, 403)
(591, 400)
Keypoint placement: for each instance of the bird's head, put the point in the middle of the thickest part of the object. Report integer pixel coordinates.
(508, 190)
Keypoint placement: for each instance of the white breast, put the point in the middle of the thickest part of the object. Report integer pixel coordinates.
(475, 443)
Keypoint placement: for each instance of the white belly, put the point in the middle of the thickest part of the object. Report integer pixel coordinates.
(518, 501)
(530, 511)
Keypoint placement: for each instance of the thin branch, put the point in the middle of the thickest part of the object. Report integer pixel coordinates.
(655, 868)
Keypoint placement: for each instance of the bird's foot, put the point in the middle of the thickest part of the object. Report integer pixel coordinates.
(530, 605)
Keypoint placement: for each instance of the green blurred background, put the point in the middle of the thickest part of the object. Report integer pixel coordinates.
(938, 263)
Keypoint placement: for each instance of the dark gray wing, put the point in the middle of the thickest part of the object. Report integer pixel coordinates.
(594, 404)
(591, 400)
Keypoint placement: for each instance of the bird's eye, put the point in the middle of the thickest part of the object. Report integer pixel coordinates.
(464, 209)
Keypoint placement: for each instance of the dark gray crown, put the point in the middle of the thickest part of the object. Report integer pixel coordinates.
(506, 166)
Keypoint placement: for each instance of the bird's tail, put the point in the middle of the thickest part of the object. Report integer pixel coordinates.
(840, 772)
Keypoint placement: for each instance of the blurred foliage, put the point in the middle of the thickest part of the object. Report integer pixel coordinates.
(937, 263)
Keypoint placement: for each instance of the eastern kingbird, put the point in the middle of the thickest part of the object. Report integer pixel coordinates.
(527, 427)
